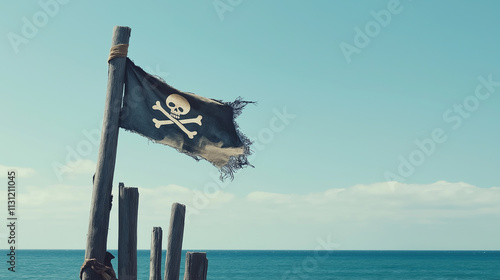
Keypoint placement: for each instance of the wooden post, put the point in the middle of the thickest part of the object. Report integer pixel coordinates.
(196, 266)
(97, 235)
(155, 256)
(128, 207)
(174, 245)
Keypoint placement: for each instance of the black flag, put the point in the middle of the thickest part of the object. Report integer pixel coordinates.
(194, 125)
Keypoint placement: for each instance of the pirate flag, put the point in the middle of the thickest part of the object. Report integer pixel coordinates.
(197, 126)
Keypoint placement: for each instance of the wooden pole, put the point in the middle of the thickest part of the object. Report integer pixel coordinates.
(196, 266)
(128, 207)
(97, 235)
(174, 245)
(155, 257)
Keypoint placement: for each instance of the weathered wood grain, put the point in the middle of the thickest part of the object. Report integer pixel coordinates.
(196, 266)
(174, 245)
(155, 255)
(97, 235)
(128, 208)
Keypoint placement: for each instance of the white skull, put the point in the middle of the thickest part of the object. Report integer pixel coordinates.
(178, 105)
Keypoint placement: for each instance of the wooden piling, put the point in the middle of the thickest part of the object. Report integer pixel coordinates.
(155, 256)
(174, 245)
(97, 235)
(196, 266)
(128, 207)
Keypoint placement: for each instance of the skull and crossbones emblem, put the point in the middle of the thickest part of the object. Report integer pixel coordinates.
(178, 107)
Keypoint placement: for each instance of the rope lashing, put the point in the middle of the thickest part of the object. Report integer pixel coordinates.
(120, 50)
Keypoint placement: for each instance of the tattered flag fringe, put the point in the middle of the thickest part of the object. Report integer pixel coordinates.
(240, 161)
(235, 162)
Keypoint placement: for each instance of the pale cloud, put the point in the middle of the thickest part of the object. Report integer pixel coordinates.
(267, 197)
(73, 169)
(441, 215)
(158, 201)
(54, 216)
(56, 201)
(80, 167)
(23, 171)
(389, 201)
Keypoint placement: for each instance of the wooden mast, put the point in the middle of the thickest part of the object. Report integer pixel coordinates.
(103, 181)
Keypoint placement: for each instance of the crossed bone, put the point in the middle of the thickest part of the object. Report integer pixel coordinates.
(173, 120)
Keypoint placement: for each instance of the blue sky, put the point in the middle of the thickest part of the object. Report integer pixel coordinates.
(350, 96)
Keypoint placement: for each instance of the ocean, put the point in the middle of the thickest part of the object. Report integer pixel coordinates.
(243, 264)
